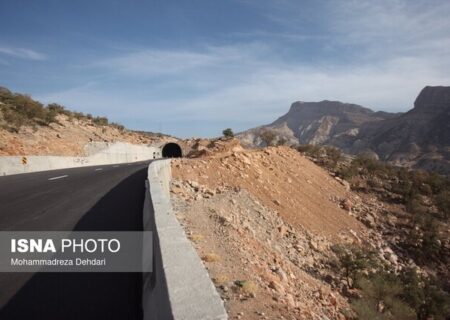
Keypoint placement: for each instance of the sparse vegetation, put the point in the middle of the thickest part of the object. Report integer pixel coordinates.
(384, 295)
(268, 137)
(17, 110)
(422, 235)
(327, 156)
(412, 187)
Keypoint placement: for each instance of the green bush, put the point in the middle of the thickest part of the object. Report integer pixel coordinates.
(268, 137)
(59, 109)
(436, 304)
(414, 205)
(334, 155)
(423, 243)
(310, 150)
(228, 133)
(438, 183)
(348, 172)
(425, 296)
(50, 116)
(413, 293)
(282, 141)
(352, 260)
(385, 295)
(13, 119)
(28, 107)
(117, 126)
(78, 115)
(370, 165)
(382, 299)
(100, 121)
(443, 203)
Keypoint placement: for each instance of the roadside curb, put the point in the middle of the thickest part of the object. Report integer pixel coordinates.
(178, 274)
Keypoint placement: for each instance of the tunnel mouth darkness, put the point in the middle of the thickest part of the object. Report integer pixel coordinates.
(172, 150)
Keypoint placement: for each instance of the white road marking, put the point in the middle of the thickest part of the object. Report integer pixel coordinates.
(98, 169)
(59, 177)
(115, 166)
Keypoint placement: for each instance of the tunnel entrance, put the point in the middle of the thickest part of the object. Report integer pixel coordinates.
(172, 150)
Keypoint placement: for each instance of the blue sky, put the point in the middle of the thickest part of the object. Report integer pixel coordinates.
(192, 68)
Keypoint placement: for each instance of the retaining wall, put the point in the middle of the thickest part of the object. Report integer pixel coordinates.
(97, 154)
(179, 286)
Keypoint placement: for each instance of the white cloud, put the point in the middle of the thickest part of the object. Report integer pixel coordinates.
(22, 53)
(157, 62)
(245, 93)
(393, 27)
(366, 29)
(403, 46)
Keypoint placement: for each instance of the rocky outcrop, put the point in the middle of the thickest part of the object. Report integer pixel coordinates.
(418, 138)
(433, 99)
(324, 122)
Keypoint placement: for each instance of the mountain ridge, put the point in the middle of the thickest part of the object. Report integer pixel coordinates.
(418, 138)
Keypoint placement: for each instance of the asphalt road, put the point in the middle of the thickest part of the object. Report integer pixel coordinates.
(100, 198)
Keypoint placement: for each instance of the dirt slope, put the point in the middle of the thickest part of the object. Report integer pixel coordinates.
(264, 222)
(65, 138)
(282, 179)
(260, 264)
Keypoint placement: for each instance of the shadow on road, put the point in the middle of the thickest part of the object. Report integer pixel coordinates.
(90, 295)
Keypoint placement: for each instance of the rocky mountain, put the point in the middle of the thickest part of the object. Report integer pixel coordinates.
(418, 138)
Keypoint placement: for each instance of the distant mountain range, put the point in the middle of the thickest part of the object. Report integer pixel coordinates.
(419, 138)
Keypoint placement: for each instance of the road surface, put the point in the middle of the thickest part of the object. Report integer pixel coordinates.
(101, 198)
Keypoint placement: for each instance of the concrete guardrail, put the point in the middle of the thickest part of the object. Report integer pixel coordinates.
(179, 286)
(98, 154)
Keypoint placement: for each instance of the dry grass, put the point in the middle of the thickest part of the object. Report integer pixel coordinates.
(249, 287)
(211, 257)
(221, 278)
(246, 286)
(196, 237)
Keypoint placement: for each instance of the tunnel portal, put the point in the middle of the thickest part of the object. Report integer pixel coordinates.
(172, 150)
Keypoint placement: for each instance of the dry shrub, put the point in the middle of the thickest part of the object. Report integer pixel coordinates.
(211, 257)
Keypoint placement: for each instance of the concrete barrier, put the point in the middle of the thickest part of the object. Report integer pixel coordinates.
(179, 286)
(97, 154)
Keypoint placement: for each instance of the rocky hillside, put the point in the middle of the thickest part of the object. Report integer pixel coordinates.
(27, 127)
(418, 138)
(309, 235)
